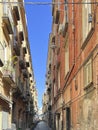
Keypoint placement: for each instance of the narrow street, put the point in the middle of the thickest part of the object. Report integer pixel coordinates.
(42, 126)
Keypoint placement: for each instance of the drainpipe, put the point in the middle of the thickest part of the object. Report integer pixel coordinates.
(73, 27)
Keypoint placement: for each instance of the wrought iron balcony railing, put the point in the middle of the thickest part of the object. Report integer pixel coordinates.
(22, 64)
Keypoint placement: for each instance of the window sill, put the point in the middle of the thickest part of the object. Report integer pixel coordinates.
(88, 86)
(67, 75)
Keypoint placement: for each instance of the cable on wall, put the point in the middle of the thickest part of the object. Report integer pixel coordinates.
(48, 3)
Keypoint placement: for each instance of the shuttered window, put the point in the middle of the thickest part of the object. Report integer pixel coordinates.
(88, 22)
(66, 11)
(66, 58)
(2, 52)
(59, 77)
(54, 89)
(5, 7)
(88, 73)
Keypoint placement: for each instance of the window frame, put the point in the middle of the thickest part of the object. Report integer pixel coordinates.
(87, 27)
(66, 56)
(59, 77)
(88, 73)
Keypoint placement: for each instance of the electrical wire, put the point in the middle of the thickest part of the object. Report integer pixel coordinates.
(48, 3)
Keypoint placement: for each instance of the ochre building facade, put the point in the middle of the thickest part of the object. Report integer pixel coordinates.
(17, 83)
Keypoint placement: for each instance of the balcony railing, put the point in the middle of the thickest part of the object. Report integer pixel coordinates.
(30, 75)
(8, 77)
(6, 20)
(16, 48)
(25, 73)
(16, 11)
(22, 64)
(27, 64)
(21, 36)
(28, 107)
(19, 85)
(23, 96)
(28, 93)
(24, 50)
(49, 107)
(49, 89)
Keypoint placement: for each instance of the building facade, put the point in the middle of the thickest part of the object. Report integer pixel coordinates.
(16, 72)
(74, 65)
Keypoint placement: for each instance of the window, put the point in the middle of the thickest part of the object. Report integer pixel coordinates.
(58, 4)
(66, 11)
(5, 7)
(65, 20)
(59, 78)
(2, 52)
(86, 19)
(66, 58)
(88, 73)
(68, 120)
(54, 89)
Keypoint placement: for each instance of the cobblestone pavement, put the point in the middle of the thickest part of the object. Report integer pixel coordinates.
(42, 126)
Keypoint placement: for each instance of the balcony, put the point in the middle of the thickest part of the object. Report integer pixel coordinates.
(22, 64)
(30, 74)
(19, 90)
(23, 96)
(6, 21)
(48, 89)
(16, 11)
(31, 81)
(5, 31)
(19, 85)
(25, 73)
(49, 107)
(27, 64)
(28, 93)
(21, 36)
(24, 50)
(8, 77)
(28, 107)
(46, 82)
(16, 48)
